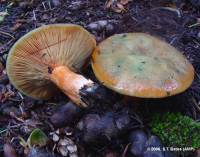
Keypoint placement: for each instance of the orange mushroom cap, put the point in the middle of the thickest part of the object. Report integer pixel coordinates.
(138, 64)
(35, 55)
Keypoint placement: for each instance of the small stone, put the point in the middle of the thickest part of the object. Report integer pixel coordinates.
(58, 131)
(98, 26)
(109, 29)
(102, 23)
(68, 131)
(63, 142)
(55, 138)
(94, 27)
(63, 151)
(39, 153)
(154, 142)
(93, 127)
(138, 138)
(66, 115)
(72, 148)
(66, 146)
(87, 125)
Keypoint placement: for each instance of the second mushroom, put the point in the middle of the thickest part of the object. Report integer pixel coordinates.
(140, 65)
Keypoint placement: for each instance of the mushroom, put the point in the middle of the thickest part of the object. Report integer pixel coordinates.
(48, 58)
(140, 65)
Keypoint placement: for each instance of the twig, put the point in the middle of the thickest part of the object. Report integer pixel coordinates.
(196, 42)
(125, 150)
(2, 131)
(13, 99)
(12, 114)
(197, 75)
(194, 25)
(34, 16)
(8, 34)
(137, 118)
(10, 127)
(170, 9)
(54, 147)
(196, 104)
(21, 109)
(51, 103)
(5, 46)
(20, 95)
(43, 4)
(49, 3)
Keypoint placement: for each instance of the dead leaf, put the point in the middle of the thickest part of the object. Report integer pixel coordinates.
(118, 8)
(16, 26)
(124, 2)
(117, 5)
(109, 3)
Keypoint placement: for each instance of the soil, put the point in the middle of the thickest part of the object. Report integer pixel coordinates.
(175, 21)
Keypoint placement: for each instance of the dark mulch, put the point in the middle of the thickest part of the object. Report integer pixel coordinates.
(176, 21)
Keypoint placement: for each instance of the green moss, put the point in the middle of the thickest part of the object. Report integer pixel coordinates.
(176, 130)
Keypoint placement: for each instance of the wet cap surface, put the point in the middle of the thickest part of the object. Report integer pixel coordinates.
(141, 65)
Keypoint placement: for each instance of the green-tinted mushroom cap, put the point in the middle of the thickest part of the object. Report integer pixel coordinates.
(141, 65)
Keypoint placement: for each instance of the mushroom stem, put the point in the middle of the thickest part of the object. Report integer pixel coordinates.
(70, 83)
